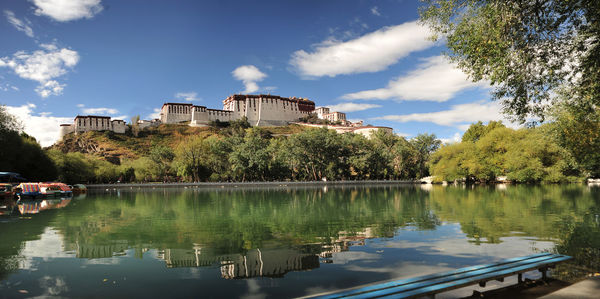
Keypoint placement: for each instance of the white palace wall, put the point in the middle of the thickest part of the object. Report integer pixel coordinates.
(260, 110)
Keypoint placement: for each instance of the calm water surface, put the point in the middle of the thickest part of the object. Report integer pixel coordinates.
(273, 243)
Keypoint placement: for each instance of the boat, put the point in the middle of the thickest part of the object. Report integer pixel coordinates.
(6, 191)
(28, 190)
(55, 189)
(78, 189)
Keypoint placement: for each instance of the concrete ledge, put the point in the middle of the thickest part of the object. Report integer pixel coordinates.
(250, 184)
(589, 288)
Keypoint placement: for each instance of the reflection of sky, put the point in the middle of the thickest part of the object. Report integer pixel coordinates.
(409, 253)
(50, 245)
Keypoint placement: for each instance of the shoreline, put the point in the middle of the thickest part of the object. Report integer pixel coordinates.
(249, 184)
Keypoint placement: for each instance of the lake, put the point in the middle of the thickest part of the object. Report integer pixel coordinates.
(281, 242)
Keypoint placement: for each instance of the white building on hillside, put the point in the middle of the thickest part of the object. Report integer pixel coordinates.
(93, 123)
(260, 110)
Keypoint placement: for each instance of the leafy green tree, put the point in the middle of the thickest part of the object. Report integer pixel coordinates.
(278, 166)
(250, 158)
(579, 133)
(162, 157)
(526, 49)
(315, 154)
(73, 168)
(525, 155)
(217, 158)
(478, 130)
(9, 122)
(425, 144)
(190, 158)
(21, 153)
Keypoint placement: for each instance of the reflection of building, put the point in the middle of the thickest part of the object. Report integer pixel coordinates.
(267, 262)
(101, 251)
(255, 263)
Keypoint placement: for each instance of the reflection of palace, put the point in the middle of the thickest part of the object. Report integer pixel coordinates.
(101, 251)
(264, 262)
(267, 262)
(255, 263)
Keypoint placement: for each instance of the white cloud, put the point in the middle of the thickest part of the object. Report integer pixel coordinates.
(435, 79)
(8, 87)
(48, 88)
(18, 24)
(375, 11)
(249, 75)
(459, 116)
(154, 114)
(43, 66)
(97, 111)
(187, 96)
(372, 52)
(67, 10)
(42, 126)
(352, 107)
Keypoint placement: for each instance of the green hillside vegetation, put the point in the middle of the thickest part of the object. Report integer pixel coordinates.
(237, 152)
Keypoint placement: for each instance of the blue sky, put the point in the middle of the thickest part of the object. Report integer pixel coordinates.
(369, 59)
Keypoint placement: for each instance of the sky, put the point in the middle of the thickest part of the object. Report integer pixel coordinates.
(370, 59)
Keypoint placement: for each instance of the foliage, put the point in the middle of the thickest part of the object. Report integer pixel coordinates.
(478, 130)
(425, 144)
(161, 157)
(313, 118)
(579, 133)
(9, 122)
(190, 159)
(525, 155)
(73, 168)
(526, 49)
(21, 153)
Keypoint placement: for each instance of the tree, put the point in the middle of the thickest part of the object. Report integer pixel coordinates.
(526, 49)
(579, 133)
(161, 157)
(73, 168)
(478, 130)
(190, 158)
(425, 144)
(9, 122)
(315, 154)
(250, 158)
(21, 153)
(525, 155)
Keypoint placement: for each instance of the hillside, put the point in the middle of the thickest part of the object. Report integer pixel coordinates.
(114, 147)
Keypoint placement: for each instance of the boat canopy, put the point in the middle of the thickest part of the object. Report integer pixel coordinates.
(29, 187)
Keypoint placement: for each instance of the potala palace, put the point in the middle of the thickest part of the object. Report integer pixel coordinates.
(259, 110)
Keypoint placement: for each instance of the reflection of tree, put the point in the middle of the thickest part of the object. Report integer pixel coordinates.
(487, 214)
(15, 232)
(581, 239)
(232, 221)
